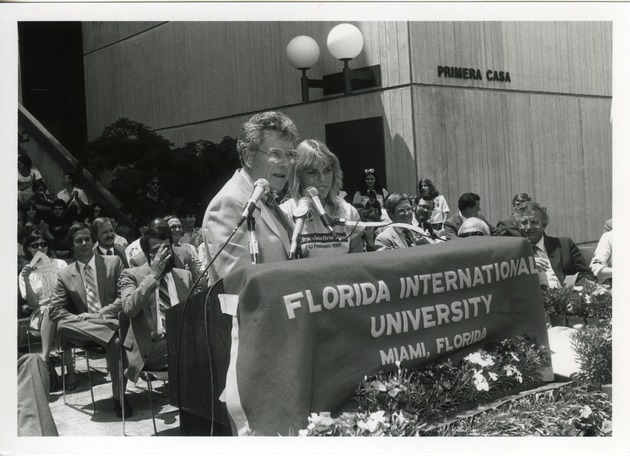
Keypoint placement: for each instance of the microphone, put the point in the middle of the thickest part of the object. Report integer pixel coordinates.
(314, 195)
(299, 214)
(261, 187)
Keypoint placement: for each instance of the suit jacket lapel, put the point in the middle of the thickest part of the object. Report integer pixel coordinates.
(398, 240)
(552, 247)
(78, 283)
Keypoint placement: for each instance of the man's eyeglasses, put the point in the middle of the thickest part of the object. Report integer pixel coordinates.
(278, 155)
(155, 184)
(369, 171)
(37, 245)
(471, 233)
(531, 223)
(405, 211)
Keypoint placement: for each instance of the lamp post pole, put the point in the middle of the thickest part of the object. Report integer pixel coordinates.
(304, 85)
(347, 77)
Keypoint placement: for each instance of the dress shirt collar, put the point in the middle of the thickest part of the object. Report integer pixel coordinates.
(92, 264)
(541, 244)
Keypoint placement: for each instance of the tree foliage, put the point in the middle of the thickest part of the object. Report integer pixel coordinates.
(190, 174)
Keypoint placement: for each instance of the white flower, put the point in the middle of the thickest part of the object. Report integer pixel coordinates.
(513, 371)
(585, 412)
(587, 298)
(322, 419)
(303, 433)
(481, 358)
(480, 382)
(493, 376)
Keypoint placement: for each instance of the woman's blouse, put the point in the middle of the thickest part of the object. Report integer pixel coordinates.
(316, 240)
(43, 283)
(440, 210)
(26, 182)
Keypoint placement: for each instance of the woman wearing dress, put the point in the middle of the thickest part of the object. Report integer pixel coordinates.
(37, 284)
(427, 189)
(318, 167)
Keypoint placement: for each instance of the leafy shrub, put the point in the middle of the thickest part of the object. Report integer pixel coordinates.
(593, 347)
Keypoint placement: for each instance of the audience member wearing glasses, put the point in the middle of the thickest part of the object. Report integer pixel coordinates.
(154, 202)
(370, 181)
(473, 226)
(555, 257)
(316, 166)
(37, 282)
(399, 209)
(266, 148)
(440, 213)
(423, 207)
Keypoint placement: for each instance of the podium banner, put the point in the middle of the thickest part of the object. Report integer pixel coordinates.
(306, 332)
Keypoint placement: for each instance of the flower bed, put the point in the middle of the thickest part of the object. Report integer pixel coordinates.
(590, 303)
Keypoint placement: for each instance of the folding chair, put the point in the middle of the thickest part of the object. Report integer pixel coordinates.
(88, 348)
(147, 375)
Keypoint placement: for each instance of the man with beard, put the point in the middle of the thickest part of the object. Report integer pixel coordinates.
(423, 208)
(147, 291)
(266, 148)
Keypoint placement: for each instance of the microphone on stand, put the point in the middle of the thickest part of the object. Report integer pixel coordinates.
(299, 215)
(314, 195)
(261, 187)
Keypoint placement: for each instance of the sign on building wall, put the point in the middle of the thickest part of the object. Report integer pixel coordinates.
(473, 73)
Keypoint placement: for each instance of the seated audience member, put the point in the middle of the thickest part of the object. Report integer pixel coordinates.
(369, 181)
(86, 302)
(372, 212)
(316, 166)
(119, 241)
(74, 197)
(555, 258)
(33, 221)
(440, 213)
(196, 266)
(399, 209)
(41, 198)
(58, 225)
(33, 394)
(508, 226)
(27, 175)
(469, 206)
(601, 263)
(191, 233)
(103, 232)
(37, 284)
(89, 215)
(134, 247)
(147, 291)
(423, 208)
(266, 147)
(473, 226)
(154, 202)
(608, 225)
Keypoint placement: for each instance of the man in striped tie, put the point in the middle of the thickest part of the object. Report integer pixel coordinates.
(147, 291)
(86, 301)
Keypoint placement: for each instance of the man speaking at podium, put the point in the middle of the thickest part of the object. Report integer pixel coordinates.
(266, 147)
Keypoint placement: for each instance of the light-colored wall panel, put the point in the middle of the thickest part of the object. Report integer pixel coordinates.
(196, 71)
(556, 57)
(394, 106)
(99, 34)
(556, 148)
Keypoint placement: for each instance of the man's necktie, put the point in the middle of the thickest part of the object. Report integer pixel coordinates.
(90, 290)
(281, 216)
(165, 302)
(110, 252)
(409, 237)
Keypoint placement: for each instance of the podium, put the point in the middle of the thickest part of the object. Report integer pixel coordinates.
(198, 355)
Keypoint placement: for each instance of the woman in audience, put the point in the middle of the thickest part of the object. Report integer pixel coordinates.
(37, 283)
(427, 189)
(318, 167)
(32, 221)
(95, 211)
(372, 213)
(26, 178)
(41, 198)
(369, 181)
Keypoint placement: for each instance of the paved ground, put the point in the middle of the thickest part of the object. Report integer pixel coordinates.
(76, 417)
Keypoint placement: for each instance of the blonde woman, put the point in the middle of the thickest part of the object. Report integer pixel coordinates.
(316, 166)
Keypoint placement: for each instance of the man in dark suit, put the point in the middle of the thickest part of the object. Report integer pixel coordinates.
(469, 206)
(508, 226)
(147, 291)
(555, 258)
(103, 232)
(86, 301)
